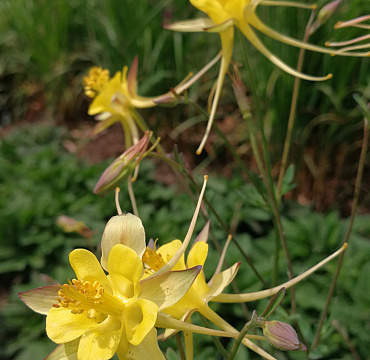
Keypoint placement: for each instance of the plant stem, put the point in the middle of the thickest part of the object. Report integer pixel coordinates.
(248, 326)
(348, 232)
(293, 108)
(269, 183)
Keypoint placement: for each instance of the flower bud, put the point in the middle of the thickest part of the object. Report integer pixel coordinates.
(282, 336)
(123, 166)
(324, 14)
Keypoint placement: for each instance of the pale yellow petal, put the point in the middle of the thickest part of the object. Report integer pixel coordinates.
(126, 229)
(67, 351)
(102, 341)
(63, 326)
(139, 317)
(148, 348)
(42, 299)
(220, 281)
(125, 270)
(168, 288)
(196, 25)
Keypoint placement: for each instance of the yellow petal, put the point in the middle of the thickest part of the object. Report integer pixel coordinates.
(169, 250)
(197, 254)
(63, 326)
(125, 270)
(87, 267)
(168, 288)
(103, 101)
(126, 229)
(102, 341)
(41, 299)
(148, 348)
(123, 347)
(139, 317)
(67, 351)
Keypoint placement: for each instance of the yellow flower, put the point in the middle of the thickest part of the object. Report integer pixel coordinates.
(116, 99)
(201, 292)
(98, 315)
(223, 16)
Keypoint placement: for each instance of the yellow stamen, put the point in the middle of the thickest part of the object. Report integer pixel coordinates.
(95, 82)
(152, 260)
(81, 295)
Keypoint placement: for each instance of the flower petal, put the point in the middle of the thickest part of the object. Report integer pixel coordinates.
(102, 102)
(125, 270)
(102, 341)
(63, 326)
(148, 346)
(196, 25)
(220, 281)
(139, 317)
(168, 288)
(126, 229)
(41, 299)
(86, 266)
(169, 250)
(67, 351)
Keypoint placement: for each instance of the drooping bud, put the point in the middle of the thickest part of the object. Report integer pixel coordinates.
(123, 166)
(324, 14)
(240, 92)
(282, 336)
(69, 225)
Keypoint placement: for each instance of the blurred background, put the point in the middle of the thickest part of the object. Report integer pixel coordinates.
(50, 163)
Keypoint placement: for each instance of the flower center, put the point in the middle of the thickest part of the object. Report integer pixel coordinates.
(81, 295)
(95, 82)
(152, 260)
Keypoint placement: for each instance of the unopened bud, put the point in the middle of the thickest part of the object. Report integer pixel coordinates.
(324, 14)
(69, 225)
(282, 336)
(123, 166)
(240, 91)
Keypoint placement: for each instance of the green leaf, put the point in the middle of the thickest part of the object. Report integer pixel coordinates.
(274, 303)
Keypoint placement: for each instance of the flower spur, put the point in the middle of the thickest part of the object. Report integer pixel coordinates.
(223, 16)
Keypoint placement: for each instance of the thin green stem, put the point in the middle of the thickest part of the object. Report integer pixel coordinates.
(269, 183)
(178, 167)
(347, 234)
(293, 109)
(248, 326)
(179, 346)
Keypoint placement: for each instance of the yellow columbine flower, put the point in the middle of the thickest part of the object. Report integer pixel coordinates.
(201, 292)
(96, 315)
(116, 99)
(223, 16)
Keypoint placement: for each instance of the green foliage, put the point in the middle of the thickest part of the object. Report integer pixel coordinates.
(51, 182)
